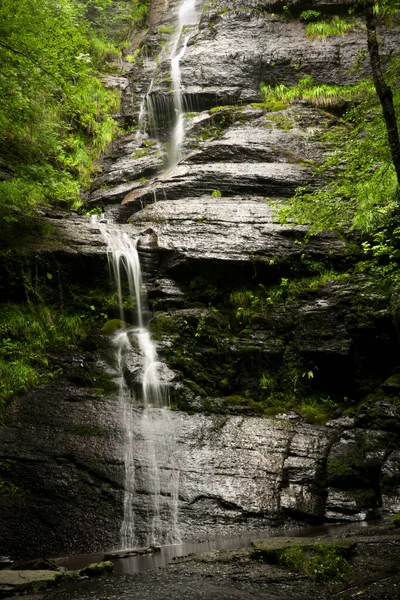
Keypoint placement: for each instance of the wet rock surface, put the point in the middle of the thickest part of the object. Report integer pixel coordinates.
(233, 574)
(60, 447)
(237, 471)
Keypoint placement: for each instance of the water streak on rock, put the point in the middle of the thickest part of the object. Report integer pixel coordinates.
(187, 16)
(144, 404)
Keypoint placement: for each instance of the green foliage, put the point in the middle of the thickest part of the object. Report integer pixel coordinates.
(307, 91)
(55, 118)
(271, 106)
(139, 12)
(8, 472)
(26, 333)
(396, 520)
(335, 26)
(319, 561)
(360, 196)
(166, 29)
(216, 194)
(310, 15)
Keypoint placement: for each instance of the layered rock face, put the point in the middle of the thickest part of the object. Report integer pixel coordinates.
(208, 230)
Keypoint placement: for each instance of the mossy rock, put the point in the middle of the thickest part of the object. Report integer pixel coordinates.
(87, 430)
(95, 569)
(112, 326)
(396, 520)
(16, 582)
(271, 106)
(40, 564)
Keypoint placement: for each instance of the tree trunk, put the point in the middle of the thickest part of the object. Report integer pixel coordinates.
(384, 91)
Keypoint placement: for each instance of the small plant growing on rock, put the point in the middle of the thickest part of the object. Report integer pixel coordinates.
(396, 520)
(216, 194)
(310, 15)
(330, 28)
(318, 561)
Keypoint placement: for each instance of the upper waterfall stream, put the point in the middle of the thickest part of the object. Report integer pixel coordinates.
(187, 16)
(151, 475)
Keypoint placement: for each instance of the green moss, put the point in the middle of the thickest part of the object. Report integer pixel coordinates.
(7, 488)
(282, 122)
(194, 387)
(96, 569)
(351, 471)
(396, 520)
(225, 109)
(9, 484)
(140, 153)
(87, 430)
(271, 106)
(112, 326)
(166, 29)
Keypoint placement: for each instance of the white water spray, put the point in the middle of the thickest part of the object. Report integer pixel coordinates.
(151, 474)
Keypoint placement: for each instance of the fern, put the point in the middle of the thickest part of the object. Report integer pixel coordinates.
(319, 95)
(336, 26)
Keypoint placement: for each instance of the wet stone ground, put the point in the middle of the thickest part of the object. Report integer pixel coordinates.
(231, 574)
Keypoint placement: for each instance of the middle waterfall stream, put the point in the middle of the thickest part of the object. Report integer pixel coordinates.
(151, 473)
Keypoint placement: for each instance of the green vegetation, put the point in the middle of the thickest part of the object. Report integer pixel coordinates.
(52, 310)
(56, 115)
(396, 520)
(27, 332)
(319, 95)
(335, 26)
(8, 473)
(361, 196)
(310, 15)
(271, 106)
(87, 430)
(319, 561)
(166, 29)
(216, 194)
(212, 348)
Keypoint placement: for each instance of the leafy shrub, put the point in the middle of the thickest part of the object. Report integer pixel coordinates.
(56, 116)
(26, 333)
(310, 15)
(320, 561)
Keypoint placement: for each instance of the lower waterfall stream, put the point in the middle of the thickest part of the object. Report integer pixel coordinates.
(151, 475)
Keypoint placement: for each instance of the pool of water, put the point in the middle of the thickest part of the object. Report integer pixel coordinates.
(151, 558)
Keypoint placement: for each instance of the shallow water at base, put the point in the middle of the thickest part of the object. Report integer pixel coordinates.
(165, 554)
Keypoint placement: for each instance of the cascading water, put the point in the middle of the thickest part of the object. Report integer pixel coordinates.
(151, 472)
(187, 16)
(155, 106)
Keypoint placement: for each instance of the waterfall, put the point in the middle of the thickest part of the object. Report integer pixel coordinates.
(187, 16)
(154, 107)
(151, 473)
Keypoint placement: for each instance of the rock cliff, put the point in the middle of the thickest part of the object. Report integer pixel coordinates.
(208, 231)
